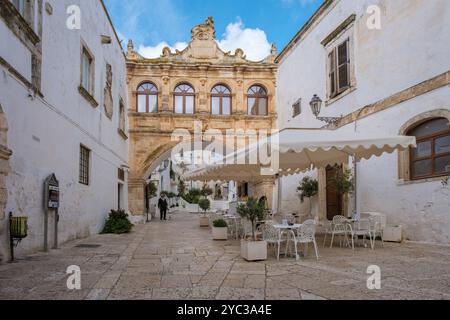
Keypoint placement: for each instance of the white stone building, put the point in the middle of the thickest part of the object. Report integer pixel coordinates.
(63, 95)
(385, 67)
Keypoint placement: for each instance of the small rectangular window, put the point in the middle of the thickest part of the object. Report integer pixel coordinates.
(85, 154)
(296, 108)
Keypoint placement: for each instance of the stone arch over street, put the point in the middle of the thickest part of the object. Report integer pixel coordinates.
(202, 65)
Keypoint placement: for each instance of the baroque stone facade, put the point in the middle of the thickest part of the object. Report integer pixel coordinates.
(203, 66)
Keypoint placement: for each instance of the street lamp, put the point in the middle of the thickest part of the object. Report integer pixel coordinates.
(316, 105)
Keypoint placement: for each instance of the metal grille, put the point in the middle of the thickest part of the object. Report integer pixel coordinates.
(84, 165)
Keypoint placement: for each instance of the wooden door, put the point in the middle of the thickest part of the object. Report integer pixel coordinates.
(334, 200)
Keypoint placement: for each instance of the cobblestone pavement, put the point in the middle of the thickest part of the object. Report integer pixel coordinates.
(178, 260)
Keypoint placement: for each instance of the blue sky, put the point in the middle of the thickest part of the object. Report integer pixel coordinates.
(250, 24)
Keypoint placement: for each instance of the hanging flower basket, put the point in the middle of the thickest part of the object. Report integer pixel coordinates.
(19, 227)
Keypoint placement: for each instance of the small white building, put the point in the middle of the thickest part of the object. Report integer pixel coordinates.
(385, 67)
(63, 96)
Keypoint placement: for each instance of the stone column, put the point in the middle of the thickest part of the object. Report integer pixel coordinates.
(265, 188)
(165, 91)
(322, 178)
(239, 100)
(136, 198)
(5, 154)
(202, 92)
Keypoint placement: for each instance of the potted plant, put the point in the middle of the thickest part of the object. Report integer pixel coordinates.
(253, 249)
(308, 188)
(220, 230)
(206, 191)
(204, 204)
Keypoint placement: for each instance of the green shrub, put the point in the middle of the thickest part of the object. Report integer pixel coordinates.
(192, 196)
(254, 211)
(206, 191)
(117, 223)
(308, 188)
(151, 190)
(204, 204)
(181, 188)
(220, 223)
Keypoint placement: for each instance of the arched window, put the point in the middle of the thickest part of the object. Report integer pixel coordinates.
(431, 158)
(147, 98)
(184, 99)
(257, 101)
(221, 100)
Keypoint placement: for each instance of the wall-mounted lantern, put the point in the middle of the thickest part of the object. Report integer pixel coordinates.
(316, 106)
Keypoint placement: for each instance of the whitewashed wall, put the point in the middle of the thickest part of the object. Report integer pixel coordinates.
(45, 133)
(411, 47)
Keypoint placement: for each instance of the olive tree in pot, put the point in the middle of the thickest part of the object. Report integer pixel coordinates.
(220, 230)
(204, 204)
(308, 188)
(253, 249)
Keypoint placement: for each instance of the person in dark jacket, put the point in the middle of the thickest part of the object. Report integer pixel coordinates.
(163, 205)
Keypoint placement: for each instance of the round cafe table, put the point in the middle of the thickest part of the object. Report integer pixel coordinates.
(289, 230)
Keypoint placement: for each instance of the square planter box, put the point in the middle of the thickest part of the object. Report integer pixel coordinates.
(254, 250)
(220, 233)
(393, 234)
(204, 221)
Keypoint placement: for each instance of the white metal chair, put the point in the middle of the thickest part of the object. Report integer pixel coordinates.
(306, 234)
(362, 228)
(341, 227)
(273, 236)
(376, 228)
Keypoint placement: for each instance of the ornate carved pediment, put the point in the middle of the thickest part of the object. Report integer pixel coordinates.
(203, 48)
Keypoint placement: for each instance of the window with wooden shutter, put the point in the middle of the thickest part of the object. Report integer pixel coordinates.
(339, 69)
(296, 108)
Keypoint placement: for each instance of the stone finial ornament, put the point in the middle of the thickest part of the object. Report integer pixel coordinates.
(274, 50)
(205, 31)
(130, 46)
(166, 52)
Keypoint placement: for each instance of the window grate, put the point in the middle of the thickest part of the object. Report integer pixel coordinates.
(84, 165)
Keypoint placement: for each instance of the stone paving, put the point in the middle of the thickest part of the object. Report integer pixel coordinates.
(177, 259)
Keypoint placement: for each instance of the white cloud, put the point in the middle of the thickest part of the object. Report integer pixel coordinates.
(156, 51)
(253, 41)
